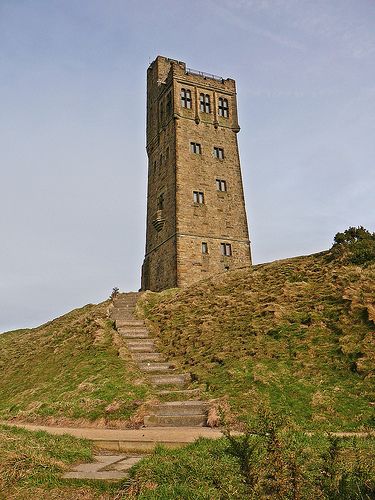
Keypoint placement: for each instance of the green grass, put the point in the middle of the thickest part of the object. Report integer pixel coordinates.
(32, 463)
(278, 467)
(295, 334)
(70, 369)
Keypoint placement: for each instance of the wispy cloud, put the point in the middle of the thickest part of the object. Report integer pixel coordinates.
(239, 15)
(335, 23)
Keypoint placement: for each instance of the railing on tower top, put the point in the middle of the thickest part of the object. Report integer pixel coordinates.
(190, 71)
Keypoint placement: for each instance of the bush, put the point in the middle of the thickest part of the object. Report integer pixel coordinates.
(356, 245)
(268, 461)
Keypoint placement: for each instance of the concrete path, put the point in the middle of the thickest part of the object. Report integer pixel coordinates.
(129, 440)
(105, 467)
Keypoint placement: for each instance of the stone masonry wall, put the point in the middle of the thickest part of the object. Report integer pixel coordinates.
(174, 250)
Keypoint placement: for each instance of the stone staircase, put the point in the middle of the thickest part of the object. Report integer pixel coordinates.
(161, 373)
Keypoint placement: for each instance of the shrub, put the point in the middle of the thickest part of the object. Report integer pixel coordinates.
(356, 245)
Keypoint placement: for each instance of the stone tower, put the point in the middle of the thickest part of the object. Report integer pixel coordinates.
(196, 218)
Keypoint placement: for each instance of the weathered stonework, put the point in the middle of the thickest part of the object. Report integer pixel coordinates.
(176, 225)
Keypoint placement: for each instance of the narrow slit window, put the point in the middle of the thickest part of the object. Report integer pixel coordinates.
(186, 98)
(169, 103)
(223, 107)
(161, 201)
(204, 248)
(198, 197)
(226, 249)
(161, 112)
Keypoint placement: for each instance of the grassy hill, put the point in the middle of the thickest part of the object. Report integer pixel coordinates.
(293, 338)
(72, 368)
(297, 335)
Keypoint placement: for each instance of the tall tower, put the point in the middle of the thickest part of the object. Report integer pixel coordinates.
(196, 218)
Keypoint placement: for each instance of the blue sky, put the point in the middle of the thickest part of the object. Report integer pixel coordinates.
(72, 132)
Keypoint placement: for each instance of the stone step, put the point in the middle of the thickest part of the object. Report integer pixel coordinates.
(148, 356)
(141, 345)
(125, 305)
(142, 348)
(133, 334)
(156, 367)
(133, 323)
(128, 312)
(125, 302)
(105, 467)
(175, 420)
(177, 393)
(181, 379)
(180, 408)
(135, 342)
(139, 329)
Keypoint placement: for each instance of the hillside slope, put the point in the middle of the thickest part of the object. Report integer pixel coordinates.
(296, 334)
(74, 367)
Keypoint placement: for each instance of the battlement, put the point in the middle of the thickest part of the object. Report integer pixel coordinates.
(204, 75)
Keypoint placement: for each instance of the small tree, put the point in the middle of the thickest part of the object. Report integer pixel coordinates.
(114, 293)
(355, 245)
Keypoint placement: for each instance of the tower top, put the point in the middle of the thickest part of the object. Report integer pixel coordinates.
(163, 65)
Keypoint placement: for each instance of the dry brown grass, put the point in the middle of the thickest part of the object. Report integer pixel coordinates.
(281, 333)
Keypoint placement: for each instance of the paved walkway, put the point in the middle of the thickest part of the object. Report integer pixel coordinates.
(143, 439)
(105, 467)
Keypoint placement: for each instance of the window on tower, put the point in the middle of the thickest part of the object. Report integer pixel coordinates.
(161, 112)
(204, 248)
(195, 147)
(204, 103)
(186, 98)
(198, 197)
(221, 185)
(223, 107)
(169, 103)
(161, 201)
(219, 153)
(226, 249)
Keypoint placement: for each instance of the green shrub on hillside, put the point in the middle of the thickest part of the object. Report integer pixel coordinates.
(355, 245)
(268, 461)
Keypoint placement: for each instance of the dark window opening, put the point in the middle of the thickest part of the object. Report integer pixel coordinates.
(161, 201)
(204, 248)
(195, 148)
(223, 107)
(198, 197)
(226, 249)
(169, 103)
(219, 153)
(221, 185)
(204, 103)
(186, 98)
